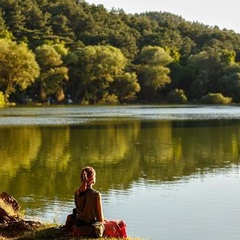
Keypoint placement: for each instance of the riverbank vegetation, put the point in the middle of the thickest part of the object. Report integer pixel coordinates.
(14, 226)
(74, 52)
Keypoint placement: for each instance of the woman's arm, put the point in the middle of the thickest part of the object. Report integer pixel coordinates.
(99, 208)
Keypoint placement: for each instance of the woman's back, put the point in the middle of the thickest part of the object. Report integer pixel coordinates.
(87, 205)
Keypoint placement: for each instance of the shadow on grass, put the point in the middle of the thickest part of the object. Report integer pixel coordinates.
(50, 233)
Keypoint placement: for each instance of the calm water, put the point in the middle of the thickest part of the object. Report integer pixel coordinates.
(170, 173)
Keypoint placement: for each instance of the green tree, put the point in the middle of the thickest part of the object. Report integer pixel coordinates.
(53, 73)
(6, 34)
(206, 68)
(125, 87)
(152, 70)
(229, 83)
(18, 67)
(14, 18)
(2, 22)
(36, 25)
(95, 68)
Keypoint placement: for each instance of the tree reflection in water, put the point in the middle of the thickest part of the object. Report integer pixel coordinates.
(39, 165)
(45, 161)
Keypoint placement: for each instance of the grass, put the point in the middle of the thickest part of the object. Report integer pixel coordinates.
(8, 208)
(46, 231)
(10, 211)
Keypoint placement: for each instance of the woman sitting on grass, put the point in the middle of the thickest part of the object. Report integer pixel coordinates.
(87, 219)
(88, 209)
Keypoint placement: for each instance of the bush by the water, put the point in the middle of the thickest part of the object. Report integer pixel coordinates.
(177, 96)
(2, 99)
(215, 98)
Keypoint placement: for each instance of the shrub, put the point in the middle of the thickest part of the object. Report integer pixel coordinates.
(215, 98)
(177, 96)
(109, 99)
(2, 99)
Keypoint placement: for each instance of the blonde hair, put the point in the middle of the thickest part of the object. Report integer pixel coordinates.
(87, 177)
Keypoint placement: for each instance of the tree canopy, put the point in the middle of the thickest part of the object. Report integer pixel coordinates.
(82, 51)
(18, 68)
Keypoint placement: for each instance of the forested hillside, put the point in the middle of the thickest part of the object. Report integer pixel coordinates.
(71, 51)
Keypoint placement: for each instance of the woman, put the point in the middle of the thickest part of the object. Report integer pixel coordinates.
(87, 219)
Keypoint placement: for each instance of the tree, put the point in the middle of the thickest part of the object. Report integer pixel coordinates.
(18, 67)
(206, 68)
(53, 73)
(95, 68)
(6, 34)
(152, 70)
(14, 18)
(229, 83)
(2, 22)
(125, 86)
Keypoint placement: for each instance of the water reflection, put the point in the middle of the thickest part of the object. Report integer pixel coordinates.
(40, 165)
(120, 151)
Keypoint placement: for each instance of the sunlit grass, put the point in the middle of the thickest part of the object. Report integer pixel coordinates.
(9, 209)
(48, 231)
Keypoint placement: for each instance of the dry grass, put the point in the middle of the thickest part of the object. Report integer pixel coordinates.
(8, 208)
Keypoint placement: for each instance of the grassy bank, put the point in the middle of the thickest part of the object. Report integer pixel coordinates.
(14, 227)
(46, 231)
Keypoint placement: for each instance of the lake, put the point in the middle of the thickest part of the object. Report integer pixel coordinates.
(170, 172)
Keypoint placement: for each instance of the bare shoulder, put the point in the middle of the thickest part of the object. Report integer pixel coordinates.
(94, 191)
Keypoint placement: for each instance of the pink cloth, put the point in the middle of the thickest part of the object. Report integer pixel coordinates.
(115, 229)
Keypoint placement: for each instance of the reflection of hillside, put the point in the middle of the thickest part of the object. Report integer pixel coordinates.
(19, 148)
(53, 160)
(54, 155)
(109, 147)
(155, 143)
(45, 161)
(64, 151)
(195, 147)
(103, 144)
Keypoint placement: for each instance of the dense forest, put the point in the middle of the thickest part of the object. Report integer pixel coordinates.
(70, 51)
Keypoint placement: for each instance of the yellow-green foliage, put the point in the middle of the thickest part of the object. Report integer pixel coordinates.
(215, 98)
(2, 99)
(109, 99)
(177, 96)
